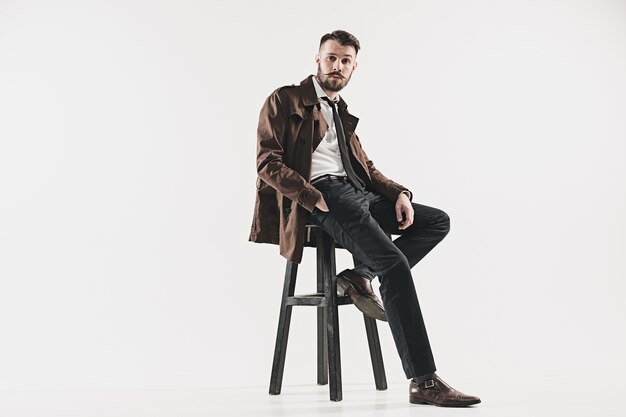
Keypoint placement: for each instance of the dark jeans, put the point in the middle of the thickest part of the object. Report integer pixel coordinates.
(359, 221)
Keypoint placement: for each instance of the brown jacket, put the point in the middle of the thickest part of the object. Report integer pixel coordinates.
(291, 125)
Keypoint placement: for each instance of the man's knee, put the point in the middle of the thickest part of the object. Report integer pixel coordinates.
(399, 270)
(396, 260)
(442, 223)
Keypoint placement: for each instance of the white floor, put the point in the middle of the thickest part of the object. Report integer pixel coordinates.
(295, 400)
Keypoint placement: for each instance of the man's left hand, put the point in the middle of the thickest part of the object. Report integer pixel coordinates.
(404, 206)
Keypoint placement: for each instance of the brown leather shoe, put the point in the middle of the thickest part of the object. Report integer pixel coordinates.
(359, 290)
(436, 392)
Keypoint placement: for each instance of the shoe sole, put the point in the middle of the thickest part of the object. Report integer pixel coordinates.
(364, 304)
(422, 401)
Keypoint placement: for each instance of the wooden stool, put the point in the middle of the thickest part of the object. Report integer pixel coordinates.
(326, 300)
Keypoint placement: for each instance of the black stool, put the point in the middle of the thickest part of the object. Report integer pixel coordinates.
(326, 300)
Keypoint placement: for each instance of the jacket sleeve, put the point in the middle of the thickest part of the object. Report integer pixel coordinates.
(382, 184)
(271, 168)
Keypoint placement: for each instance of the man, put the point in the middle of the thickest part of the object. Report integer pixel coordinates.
(311, 167)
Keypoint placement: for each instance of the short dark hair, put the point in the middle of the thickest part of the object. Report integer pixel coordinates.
(344, 38)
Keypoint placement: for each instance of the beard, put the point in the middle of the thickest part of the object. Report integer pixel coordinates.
(330, 83)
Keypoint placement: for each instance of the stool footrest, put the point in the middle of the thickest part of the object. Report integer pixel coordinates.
(315, 299)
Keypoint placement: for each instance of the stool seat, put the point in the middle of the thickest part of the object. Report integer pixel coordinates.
(326, 300)
(310, 236)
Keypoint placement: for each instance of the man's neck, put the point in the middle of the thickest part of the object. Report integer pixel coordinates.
(331, 94)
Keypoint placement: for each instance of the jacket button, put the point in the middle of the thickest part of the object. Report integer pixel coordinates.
(288, 210)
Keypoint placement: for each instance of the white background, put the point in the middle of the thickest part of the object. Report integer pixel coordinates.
(127, 181)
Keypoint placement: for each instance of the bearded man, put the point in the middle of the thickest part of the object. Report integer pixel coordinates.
(312, 168)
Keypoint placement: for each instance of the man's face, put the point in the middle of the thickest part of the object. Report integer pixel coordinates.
(335, 64)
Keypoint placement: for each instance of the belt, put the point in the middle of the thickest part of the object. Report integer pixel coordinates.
(328, 177)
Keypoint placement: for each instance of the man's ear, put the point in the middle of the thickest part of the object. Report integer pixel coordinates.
(354, 66)
(317, 58)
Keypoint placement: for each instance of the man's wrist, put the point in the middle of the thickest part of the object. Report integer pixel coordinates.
(407, 193)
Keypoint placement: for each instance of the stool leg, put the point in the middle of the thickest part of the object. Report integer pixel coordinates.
(280, 350)
(375, 353)
(326, 260)
(322, 340)
(373, 341)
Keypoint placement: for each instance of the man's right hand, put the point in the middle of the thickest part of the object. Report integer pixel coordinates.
(321, 204)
